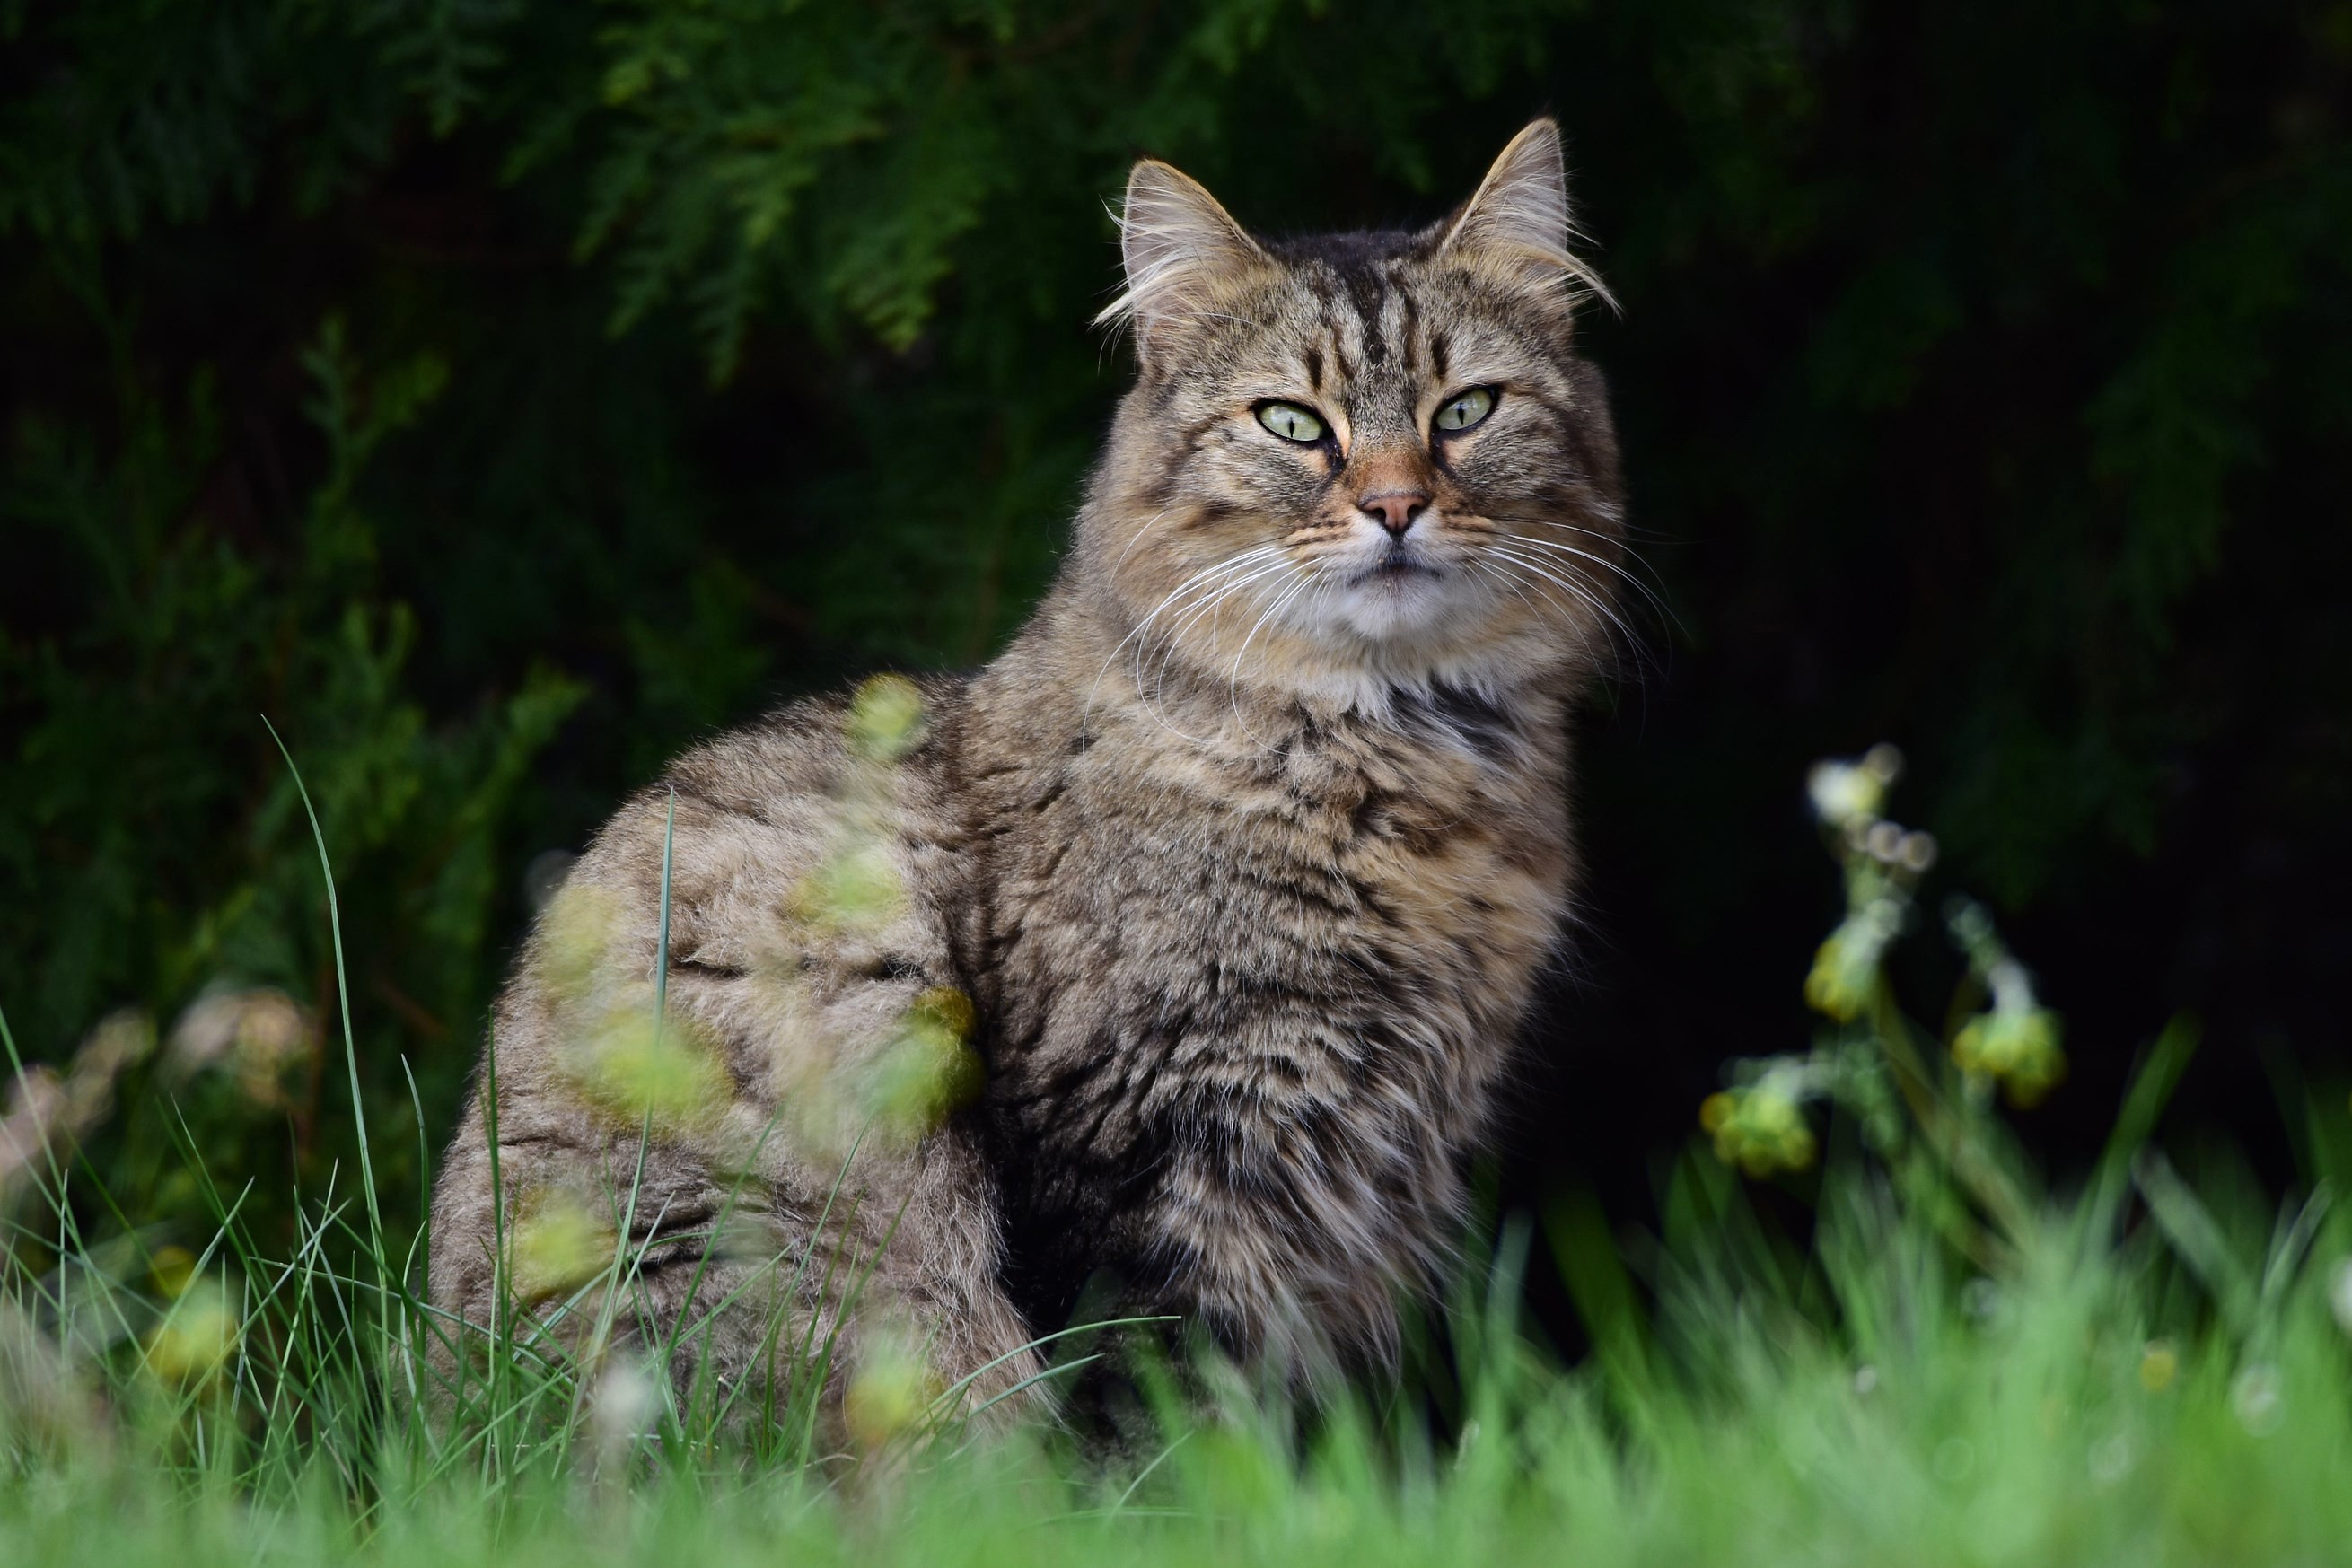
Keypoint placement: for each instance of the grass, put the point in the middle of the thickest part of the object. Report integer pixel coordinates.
(2041, 1418)
(1949, 1364)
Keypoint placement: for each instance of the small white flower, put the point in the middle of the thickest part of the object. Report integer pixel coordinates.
(2257, 1397)
(2011, 986)
(623, 1407)
(1843, 793)
(1916, 852)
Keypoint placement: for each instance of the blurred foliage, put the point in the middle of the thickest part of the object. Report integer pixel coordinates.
(498, 394)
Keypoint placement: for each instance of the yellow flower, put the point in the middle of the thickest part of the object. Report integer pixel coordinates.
(1843, 792)
(886, 719)
(856, 887)
(172, 1269)
(263, 1035)
(1845, 968)
(2159, 1365)
(557, 1245)
(634, 1070)
(1759, 1129)
(576, 939)
(196, 1337)
(888, 1394)
(2017, 1047)
(927, 1071)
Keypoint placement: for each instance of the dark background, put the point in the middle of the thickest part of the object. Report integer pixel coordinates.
(500, 395)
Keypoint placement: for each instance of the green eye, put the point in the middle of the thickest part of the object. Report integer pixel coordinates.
(1465, 409)
(1290, 422)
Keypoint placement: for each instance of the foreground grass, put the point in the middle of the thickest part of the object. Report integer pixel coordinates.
(2050, 1416)
(1945, 1363)
(2028, 1447)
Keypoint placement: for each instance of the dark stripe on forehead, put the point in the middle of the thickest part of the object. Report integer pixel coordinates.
(1368, 292)
(1314, 367)
(1347, 367)
(1441, 355)
(1410, 330)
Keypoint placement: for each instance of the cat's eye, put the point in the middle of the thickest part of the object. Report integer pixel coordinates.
(1290, 422)
(1463, 410)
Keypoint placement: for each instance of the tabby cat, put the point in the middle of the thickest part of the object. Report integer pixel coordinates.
(1174, 959)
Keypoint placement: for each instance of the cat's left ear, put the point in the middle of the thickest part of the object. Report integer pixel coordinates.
(1519, 217)
(1180, 248)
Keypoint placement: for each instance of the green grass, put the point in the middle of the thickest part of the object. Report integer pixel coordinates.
(1952, 1419)
(1949, 1362)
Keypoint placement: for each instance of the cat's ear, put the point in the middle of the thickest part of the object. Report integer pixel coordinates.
(1179, 245)
(1520, 216)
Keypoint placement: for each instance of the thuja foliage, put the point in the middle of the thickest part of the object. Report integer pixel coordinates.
(496, 395)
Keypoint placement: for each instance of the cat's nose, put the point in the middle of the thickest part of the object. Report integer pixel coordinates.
(1393, 509)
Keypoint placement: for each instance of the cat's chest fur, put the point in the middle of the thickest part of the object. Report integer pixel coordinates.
(1246, 1005)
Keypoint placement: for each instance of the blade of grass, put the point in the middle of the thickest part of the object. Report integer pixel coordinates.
(343, 996)
(2151, 1090)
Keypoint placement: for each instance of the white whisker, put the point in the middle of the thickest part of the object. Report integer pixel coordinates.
(1584, 593)
(1632, 578)
(1234, 685)
(1206, 576)
(1211, 606)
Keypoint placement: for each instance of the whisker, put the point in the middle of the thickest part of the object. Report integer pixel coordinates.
(1234, 685)
(1516, 580)
(1151, 688)
(1582, 592)
(1632, 580)
(1204, 576)
(1214, 603)
(1135, 538)
(1657, 600)
(1211, 605)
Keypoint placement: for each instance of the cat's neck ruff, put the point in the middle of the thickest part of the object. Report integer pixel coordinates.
(1504, 707)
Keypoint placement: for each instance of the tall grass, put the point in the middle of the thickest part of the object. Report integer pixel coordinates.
(1952, 1364)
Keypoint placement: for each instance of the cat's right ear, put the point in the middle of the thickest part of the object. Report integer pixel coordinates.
(1179, 245)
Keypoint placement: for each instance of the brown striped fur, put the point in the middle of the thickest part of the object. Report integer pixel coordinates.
(1247, 853)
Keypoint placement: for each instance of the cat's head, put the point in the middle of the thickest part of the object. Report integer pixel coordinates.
(1363, 460)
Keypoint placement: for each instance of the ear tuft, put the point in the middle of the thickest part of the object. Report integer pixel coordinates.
(1520, 215)
(1177, 243)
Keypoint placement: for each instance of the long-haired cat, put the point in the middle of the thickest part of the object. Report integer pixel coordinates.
(1175, 957)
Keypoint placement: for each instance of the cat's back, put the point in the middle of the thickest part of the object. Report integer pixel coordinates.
(747, 817)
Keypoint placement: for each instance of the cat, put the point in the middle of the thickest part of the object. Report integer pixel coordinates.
(1173, 961)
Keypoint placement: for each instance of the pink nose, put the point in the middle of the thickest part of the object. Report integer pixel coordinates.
(1393, 509)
